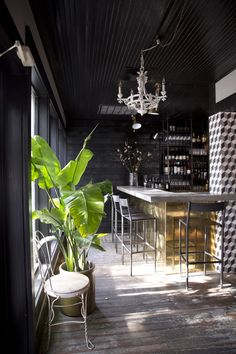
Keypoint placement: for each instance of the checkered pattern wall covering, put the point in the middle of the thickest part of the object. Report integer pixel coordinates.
(222, 168)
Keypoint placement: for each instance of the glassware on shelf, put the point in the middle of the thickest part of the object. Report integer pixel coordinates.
(193, 138)
(204, 138)
(145, 180)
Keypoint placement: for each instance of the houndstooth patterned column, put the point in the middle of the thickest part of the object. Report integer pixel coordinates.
(222, 168)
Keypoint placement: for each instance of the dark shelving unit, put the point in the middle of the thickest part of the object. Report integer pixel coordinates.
(185, 154)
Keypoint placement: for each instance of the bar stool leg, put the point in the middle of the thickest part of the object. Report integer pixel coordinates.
(116, 244)
(173, 243)
(135, 234)
(112, 221)
(180, 251)
(131, 248)
(222, 257)
(187, 255)
(155, 243)
(144, 238)
(205, 240)
(122, 237)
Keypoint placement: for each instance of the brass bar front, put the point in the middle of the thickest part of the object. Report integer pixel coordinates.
(168, 207)
(168, 215)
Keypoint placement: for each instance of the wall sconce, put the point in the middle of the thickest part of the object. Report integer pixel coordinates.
(23, 52)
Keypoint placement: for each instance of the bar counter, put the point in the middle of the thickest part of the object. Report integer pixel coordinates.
(157, 195)
(168, 207)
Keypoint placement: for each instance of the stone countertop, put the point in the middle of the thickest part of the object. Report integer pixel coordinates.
(158, 195)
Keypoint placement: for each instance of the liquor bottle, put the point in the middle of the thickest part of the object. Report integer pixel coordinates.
(167, 186)
(204, 138)
(193, 138)
(156, 183)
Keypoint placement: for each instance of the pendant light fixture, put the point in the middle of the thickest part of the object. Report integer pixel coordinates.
(142, 101)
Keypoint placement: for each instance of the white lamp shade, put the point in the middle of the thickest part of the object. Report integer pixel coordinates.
(136, 125)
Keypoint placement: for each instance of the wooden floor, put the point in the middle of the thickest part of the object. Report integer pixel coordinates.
(152, 313)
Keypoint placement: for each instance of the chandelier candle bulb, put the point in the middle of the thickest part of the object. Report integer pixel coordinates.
(163, 86)
(119, 90)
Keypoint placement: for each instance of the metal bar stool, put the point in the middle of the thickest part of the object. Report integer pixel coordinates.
(199, 216)
(137, 242)
(116, 219)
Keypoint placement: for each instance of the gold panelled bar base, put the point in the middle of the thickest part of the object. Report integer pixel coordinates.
(168, 207)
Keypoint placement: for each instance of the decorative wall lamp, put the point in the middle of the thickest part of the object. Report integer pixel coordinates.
(23, 52)
(144, 102)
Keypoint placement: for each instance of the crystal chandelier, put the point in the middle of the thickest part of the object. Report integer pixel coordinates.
(143, 102)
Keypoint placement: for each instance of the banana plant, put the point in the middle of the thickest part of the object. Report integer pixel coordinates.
(75, 212)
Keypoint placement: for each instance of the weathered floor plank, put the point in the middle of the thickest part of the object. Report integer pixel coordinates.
(152, 313)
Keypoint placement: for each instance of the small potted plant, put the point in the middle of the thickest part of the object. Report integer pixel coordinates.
(74, 213)
(131, 158)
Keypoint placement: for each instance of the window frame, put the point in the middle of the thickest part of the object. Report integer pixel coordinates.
(48, 125)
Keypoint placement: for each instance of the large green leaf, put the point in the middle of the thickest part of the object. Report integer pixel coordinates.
(34, 172)
(86, 206)
(73, 171)
(45, 162)
(54, 217)
(82, 161)
(105, 186)
(45, 180)
(90, 241)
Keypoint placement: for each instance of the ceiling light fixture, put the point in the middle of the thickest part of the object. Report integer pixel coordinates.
(144, 102)
(135, 124)
(23, 52)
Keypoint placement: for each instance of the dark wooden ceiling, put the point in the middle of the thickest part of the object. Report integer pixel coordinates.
(91, 45)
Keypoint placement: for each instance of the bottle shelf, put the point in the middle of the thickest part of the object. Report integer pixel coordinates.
(185, 156)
